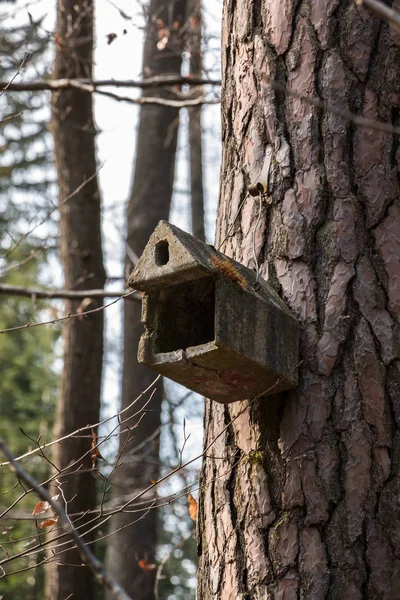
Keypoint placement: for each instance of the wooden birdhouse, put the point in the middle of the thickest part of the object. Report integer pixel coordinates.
(209, 324)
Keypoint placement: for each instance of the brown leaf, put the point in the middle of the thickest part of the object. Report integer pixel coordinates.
(145, 566)
(193, 508)
(83, 307)
(47, 523)
(95, 452)
(42, 506)
(59, 42)
(162, 43)
(111, 37)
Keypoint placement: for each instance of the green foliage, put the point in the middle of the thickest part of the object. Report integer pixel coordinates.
(28, 387)
(177, 542)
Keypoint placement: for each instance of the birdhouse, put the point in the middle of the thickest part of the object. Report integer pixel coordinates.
(209, 324)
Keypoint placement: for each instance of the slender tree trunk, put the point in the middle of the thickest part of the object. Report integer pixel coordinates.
(149, 202)
(305, 502)
(81, 254)
(193, 24)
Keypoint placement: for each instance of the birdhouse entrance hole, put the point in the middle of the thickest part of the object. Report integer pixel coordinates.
(185, 315)
(162, 253)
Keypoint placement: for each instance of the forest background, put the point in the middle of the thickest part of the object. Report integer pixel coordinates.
(32, 359)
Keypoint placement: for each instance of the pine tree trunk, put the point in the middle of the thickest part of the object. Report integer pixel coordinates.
(305, 502)
(150, 202)
(81, 254)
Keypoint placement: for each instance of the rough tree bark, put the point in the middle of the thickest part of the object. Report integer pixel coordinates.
(150, 201)
(193, 24)
(305, 502)
(81, 254)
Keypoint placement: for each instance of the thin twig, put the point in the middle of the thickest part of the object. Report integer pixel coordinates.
(87, 555)
(6, 85)
(86, 427)
(17, 290)
(65, 317)
(166, 558)
(48, 215)
(156, 101)
(382, 11)
(9, 117)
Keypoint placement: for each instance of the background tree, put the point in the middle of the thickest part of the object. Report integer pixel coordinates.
(149, 202)
(304, 504)
(194, 41)
(81, 255)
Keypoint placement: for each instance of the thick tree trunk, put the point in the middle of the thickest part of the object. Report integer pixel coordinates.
(150, 201)
(305, 502)
(193, 23)
(81, 255)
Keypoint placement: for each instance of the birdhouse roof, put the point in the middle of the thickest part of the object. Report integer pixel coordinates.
(171, 256)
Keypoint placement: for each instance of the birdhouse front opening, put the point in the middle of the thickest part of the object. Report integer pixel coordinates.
(182, 315)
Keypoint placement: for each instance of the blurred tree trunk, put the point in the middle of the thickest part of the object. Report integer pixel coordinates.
(81, 254)
(150, 201)
(193, 10)
(305, 504)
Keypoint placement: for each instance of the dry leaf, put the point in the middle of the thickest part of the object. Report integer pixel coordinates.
(59, 42)
(94, 452)
(192, 507)
(145, 566)
(47, 523)
(162, 43)
(111, 37)
(83, 307)
(42, 506)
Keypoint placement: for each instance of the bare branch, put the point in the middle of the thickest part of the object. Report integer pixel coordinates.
(69, 316)
(154, 82)
(48, 215)
(5, 85)
(87, 427)
(87, 555)
(162, 564)
(157, 101)
(382, 11)
(17, 290)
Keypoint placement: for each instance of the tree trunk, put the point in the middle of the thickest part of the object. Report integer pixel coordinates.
(149, 202)
(81, 254)
(193, 24)
(305, 502)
